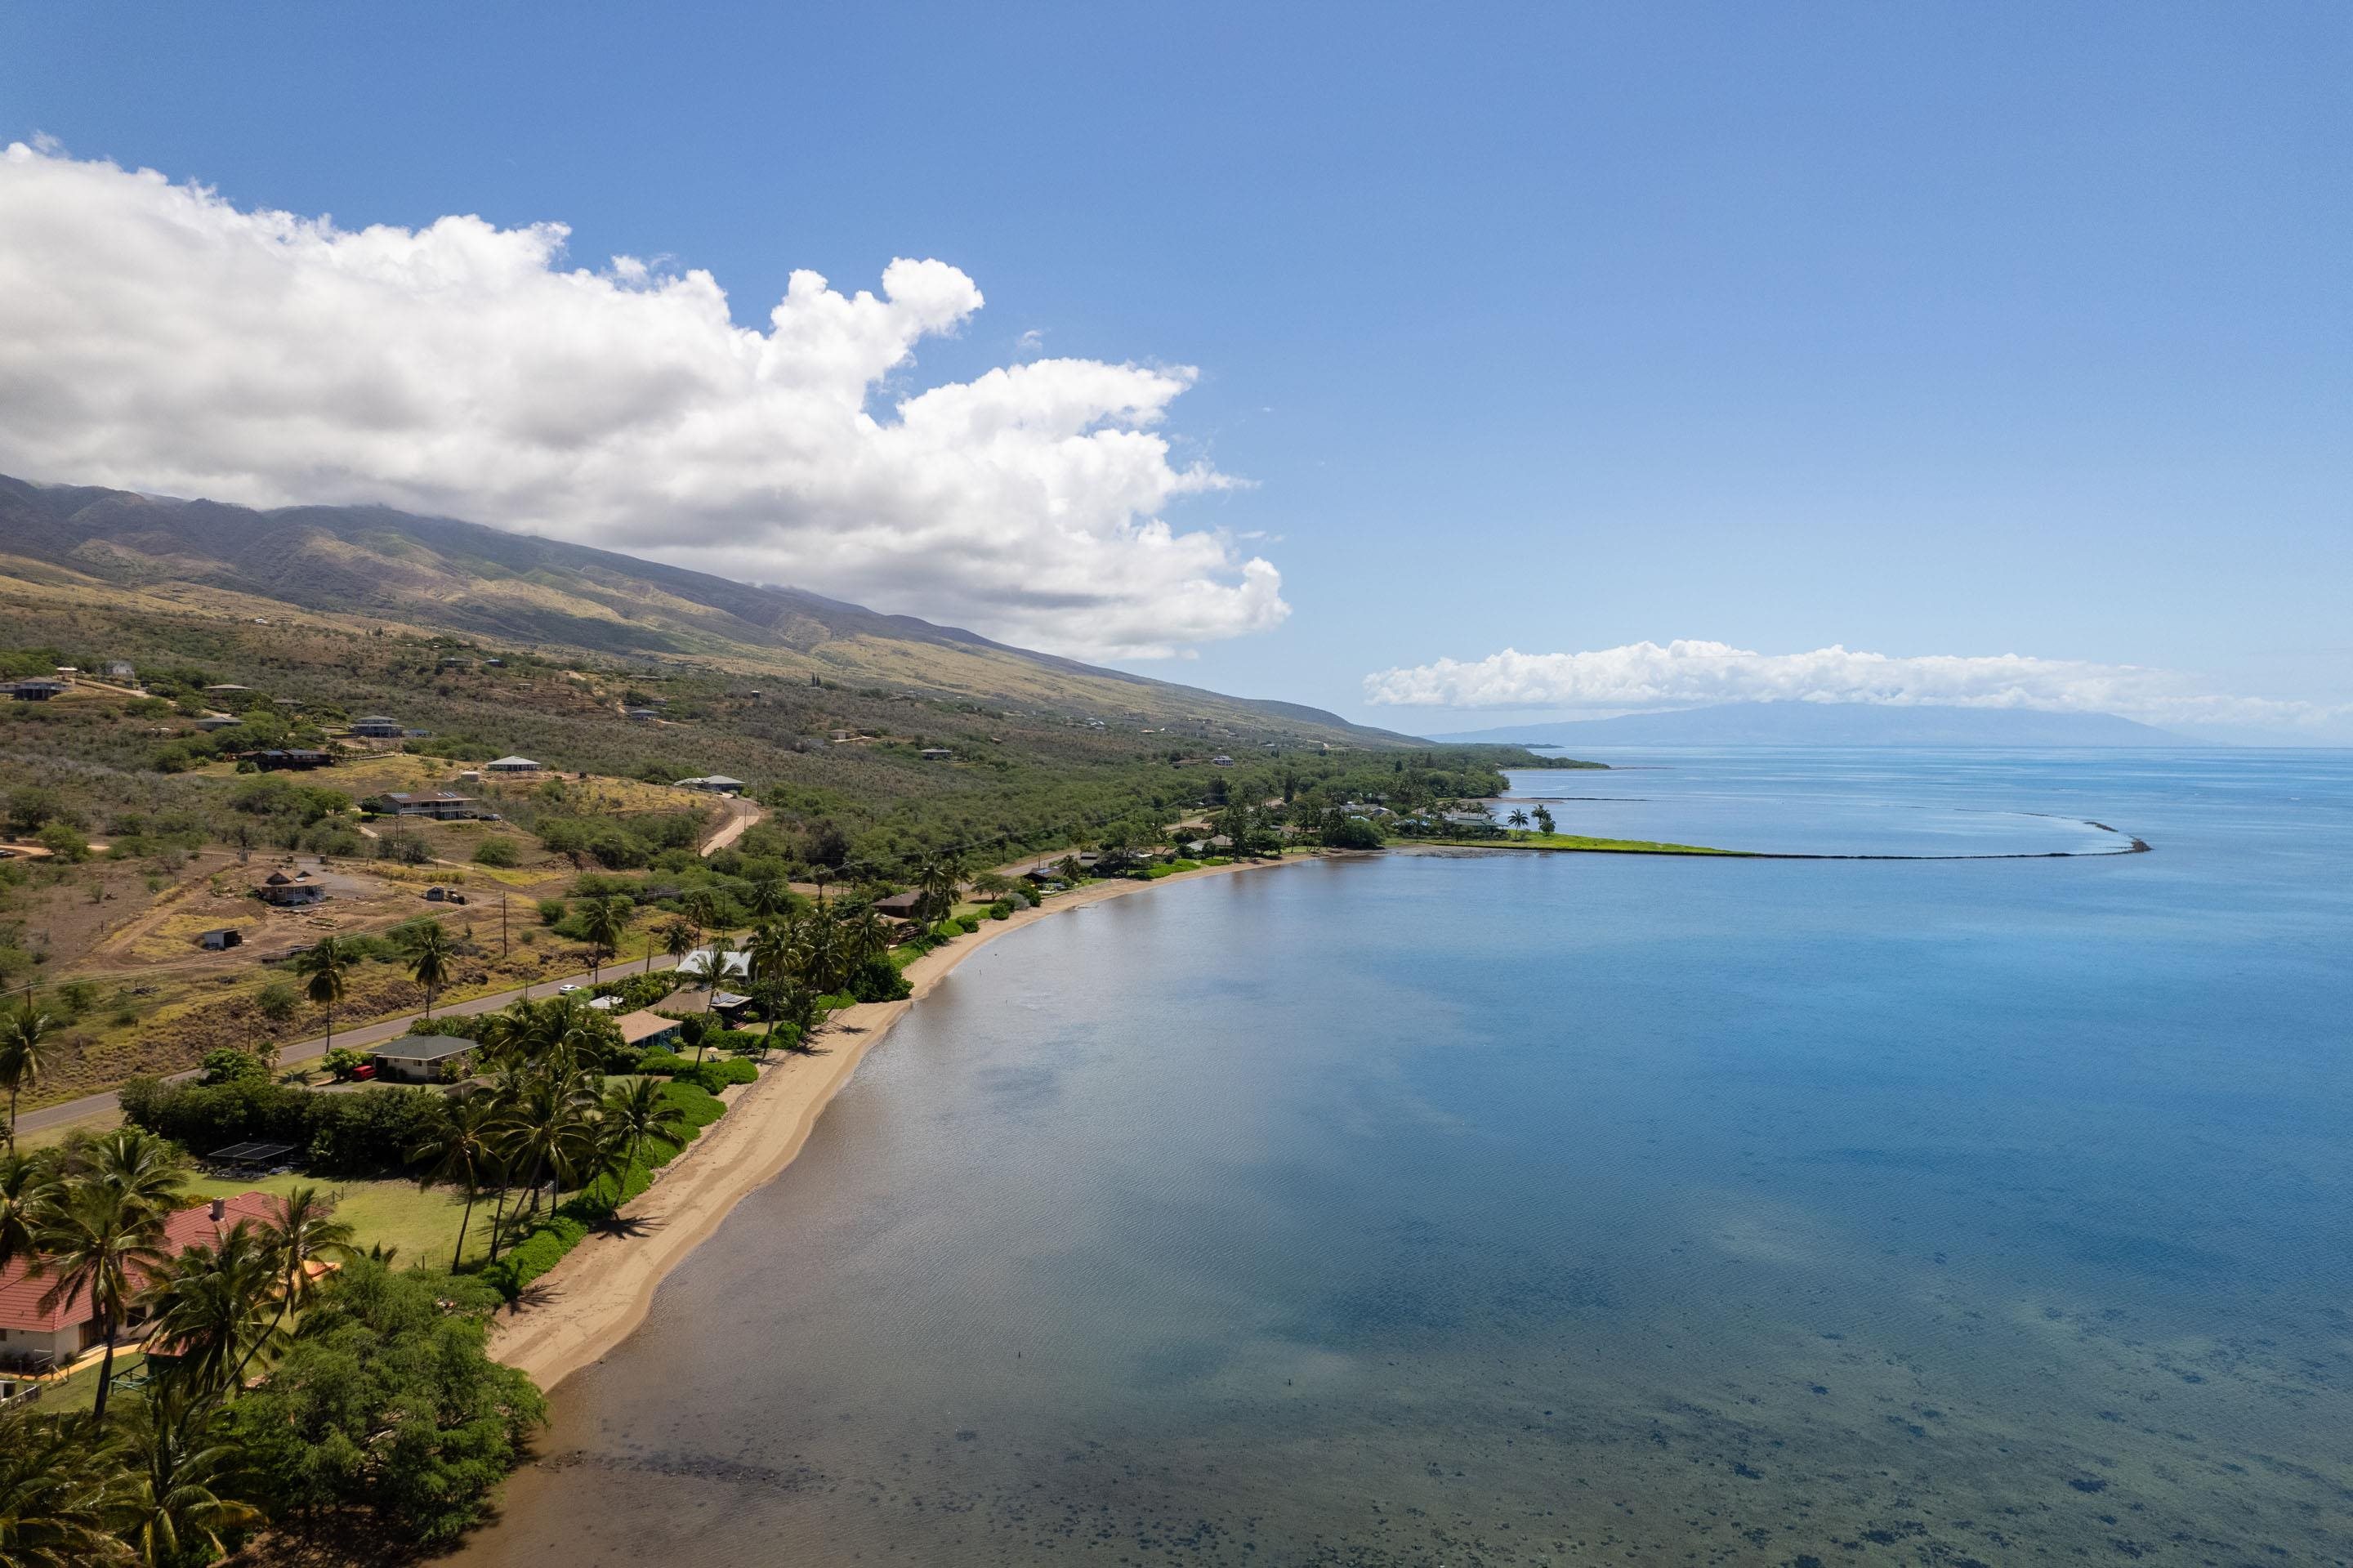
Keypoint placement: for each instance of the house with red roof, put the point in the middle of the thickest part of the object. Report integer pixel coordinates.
(38, 1337)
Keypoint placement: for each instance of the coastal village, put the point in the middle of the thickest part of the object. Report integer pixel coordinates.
(306, 1021)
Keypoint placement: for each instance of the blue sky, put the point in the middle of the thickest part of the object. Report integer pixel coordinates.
(1960, 330)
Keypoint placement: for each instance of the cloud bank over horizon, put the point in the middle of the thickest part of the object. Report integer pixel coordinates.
(1692, 674)
(154, 337)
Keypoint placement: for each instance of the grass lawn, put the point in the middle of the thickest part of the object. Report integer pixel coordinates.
(423, 1226)
(1576, 841)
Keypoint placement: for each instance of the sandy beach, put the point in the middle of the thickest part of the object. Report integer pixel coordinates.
(593, 1299)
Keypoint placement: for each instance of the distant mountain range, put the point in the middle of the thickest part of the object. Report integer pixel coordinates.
(1833, 723)
(361, 567)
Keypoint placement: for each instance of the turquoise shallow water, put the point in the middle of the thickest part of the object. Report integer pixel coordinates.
(1516, 1209)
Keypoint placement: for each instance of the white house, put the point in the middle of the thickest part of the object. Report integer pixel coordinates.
(510, 765)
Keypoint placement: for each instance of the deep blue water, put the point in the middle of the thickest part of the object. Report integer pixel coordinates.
(1517, 1208)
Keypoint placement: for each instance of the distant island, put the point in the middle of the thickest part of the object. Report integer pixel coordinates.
(1833, 723)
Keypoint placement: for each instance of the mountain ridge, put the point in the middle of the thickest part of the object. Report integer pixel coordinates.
(447, 574)
(1833, 724)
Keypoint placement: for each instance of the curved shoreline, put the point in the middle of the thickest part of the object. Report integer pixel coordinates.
(600, 1294)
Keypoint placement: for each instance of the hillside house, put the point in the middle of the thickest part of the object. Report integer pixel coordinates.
(511, 767)
(121, 670)
(37, 1337)
(221, 938)
(936, 753)
(437, 805)
(715, 784)
(38, 690)
(291, 892)
(296, 759)
(377, 727)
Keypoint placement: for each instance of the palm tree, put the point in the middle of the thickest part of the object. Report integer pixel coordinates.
(770, 898)
(1518, 819)
(209, 1305)
(181, 1472)
(302, 1233)
(96, 1243)
(144, 1168)
(677, 940)
(937, 890)
(713, 969)
(605, 921)
(24, 1052)
(545, 1129)
(694, 1030)
(1543, 820)
(430, 960)
(462, 1156)
(54, 1493)
(639, 1110)
(27, 1186)
(323, 966)
(770, 956)
(702, 910)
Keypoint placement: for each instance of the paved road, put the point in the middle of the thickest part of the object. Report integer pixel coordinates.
(357, 1038)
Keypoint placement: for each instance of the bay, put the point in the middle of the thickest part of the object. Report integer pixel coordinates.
(1514, 1208)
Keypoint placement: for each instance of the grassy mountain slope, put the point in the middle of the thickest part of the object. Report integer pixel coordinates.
(365, 566)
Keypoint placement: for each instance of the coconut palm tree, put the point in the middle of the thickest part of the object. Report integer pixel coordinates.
(678, 939)
(212, 1304)
(462, 1156)
(27, 1186)
(182, 1470)
(771, 955)
(1518, 819)
(430, 960)
(302, 1234)
(637, 1111)
(97, 1244)
(144, 1168)
(770, 898)
(1543, 820)
(702, 911)
(937, 890)
(605, 921)
(710, 969)
(25, 1049)
(322, 969)
(545, 1130)
(57, 1493)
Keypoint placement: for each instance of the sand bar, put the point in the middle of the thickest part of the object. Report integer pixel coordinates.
(603, 1289)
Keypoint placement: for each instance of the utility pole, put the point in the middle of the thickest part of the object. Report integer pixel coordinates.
(503, 925)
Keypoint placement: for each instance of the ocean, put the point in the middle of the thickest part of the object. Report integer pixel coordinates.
(1514, 1208)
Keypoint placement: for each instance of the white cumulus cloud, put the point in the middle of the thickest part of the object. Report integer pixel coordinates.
(1689, 673)
(154, 336)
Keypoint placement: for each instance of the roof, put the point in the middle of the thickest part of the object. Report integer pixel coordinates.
(20, 1293)
(643, 1024)
(376, 718)
(898, 902)
(713, 781)
(697, 962)
(425, 1047)
(511, 762)
(424, 798)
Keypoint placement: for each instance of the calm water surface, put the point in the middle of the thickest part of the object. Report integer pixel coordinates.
(1516, 1209)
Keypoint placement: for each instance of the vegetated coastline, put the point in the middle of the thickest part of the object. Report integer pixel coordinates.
(604, 1288)
(1570, 843)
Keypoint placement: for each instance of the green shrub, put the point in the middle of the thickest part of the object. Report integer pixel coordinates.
(495, 852)
(231, 1064)
(1000, 910)
(879, 980)
(551, 910)
(970, 923)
